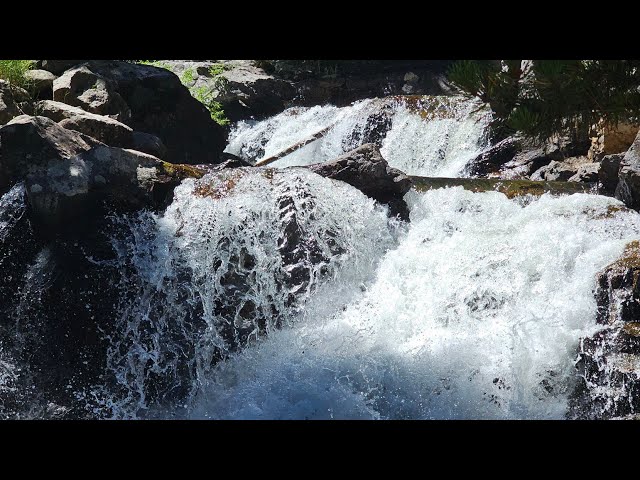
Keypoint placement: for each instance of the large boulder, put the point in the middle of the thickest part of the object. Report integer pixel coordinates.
(609, 171)
(41, 83)
(366, 169)
(14, 101)
(66, 177)
(147, 143)
(92, 92)
(628, 188)
(162, 106)
(587, 173)
(102, 128)
(57, 67)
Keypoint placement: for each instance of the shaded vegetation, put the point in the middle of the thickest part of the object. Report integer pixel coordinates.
(544, 97)
(13, 72)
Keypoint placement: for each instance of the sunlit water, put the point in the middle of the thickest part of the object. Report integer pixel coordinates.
(436, 143)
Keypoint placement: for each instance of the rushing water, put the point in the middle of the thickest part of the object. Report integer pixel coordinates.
(279, 294)
(436, 138)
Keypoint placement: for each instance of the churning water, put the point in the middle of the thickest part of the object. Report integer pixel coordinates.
(436, 137)
(279, 294)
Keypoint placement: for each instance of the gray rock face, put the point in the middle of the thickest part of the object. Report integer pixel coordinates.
(57, 67)
(65, 176)
(366, 169)
(41, 82)
(586, 173)
(608, 173)
(102, 128)
(554, 171)
(608, 385)
(628, 188)
(92, 92)
(162, 106)
(13, 102)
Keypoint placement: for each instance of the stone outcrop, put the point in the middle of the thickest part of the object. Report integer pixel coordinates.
(608, 385)
(41, 83)
(608, 174)
(14, 101)
(612, 139)
(365, 169)
(57, 67)
(160, 105)
(628, 188)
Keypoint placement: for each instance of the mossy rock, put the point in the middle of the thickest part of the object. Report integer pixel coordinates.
(511, 188)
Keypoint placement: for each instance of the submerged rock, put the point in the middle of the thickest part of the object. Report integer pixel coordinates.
(609, 361)
(365, 169)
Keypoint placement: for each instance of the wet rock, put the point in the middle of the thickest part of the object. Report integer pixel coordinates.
(162, 106)
(365, 169)
(81, 87)
(618, 290)
(608, 385)
(628, 188)
(14, 101)
(608, 173)
(494, 157)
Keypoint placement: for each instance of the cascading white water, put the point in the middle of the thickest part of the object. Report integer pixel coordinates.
(476, 314)
(435, 138)
(234, 256)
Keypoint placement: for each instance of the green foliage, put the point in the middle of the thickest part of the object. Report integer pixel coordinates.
(187, 78)
(13, 71)
(203, 93)
(205, 96)
(217, 68)
(553, 96)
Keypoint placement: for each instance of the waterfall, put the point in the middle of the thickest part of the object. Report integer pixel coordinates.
(430, 136)
(220, 269)
(476, 314)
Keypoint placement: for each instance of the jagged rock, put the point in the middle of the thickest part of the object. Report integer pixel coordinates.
(162, 106)
(14, 101)
(608, 173)
(612, 139)
(587, 173)
(100, 127)
(618, 289)
(65, 177)
(554, 171)
(147, 143)
(608, 362)
(41, 82)
(92, 92)
(57, 67)
(628, 188)
(27, 143)
(494, 157)
(365, 169)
